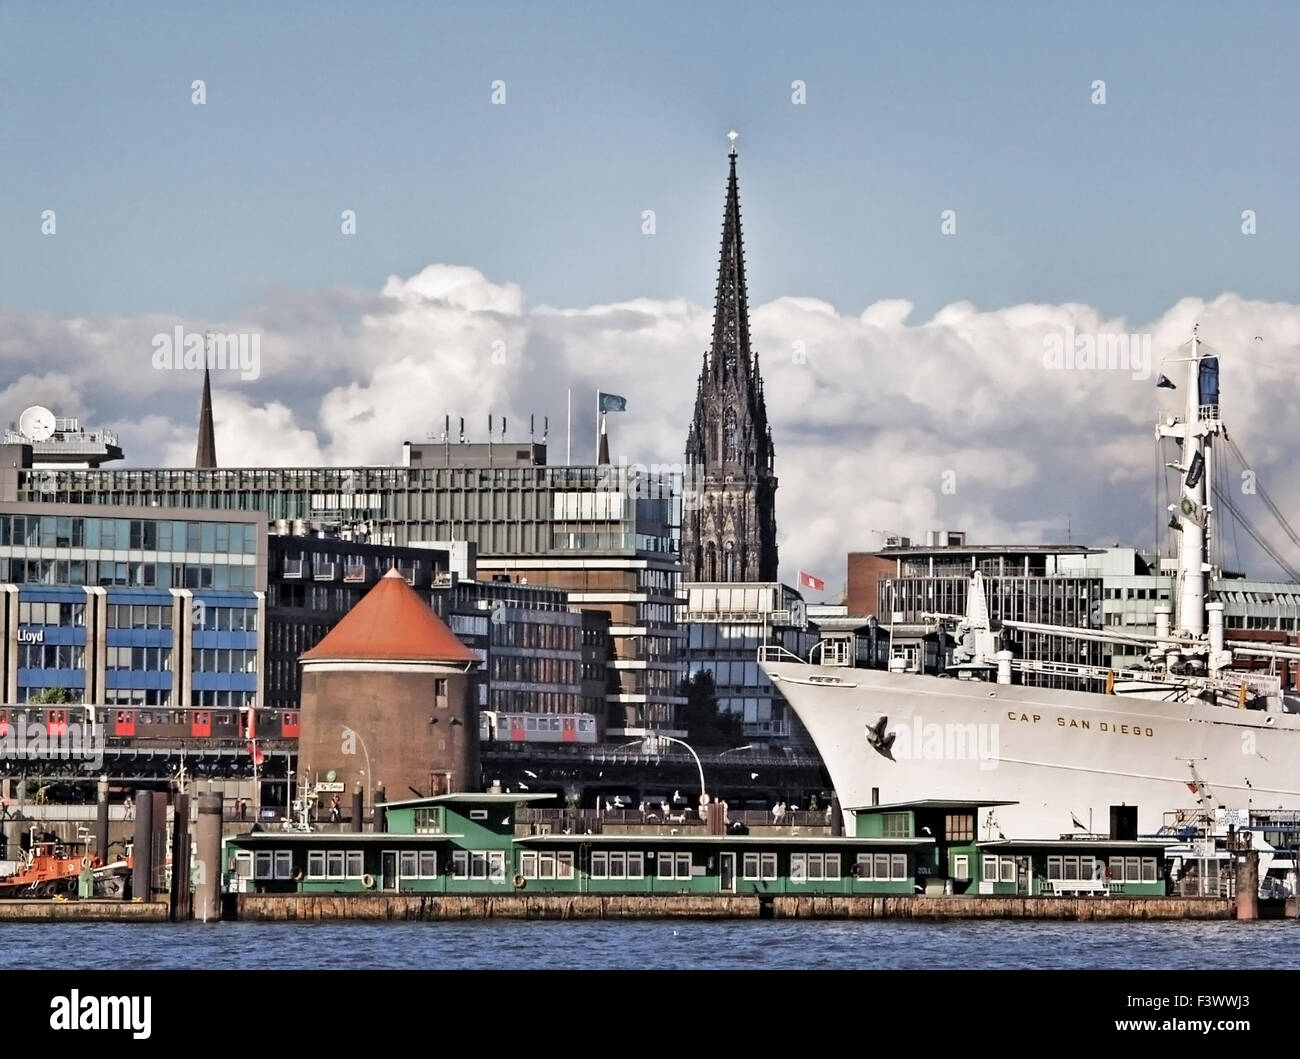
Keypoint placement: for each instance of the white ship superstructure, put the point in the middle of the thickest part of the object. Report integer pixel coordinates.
(1181, 726)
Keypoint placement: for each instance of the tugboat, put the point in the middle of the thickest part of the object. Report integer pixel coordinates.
(53, 866)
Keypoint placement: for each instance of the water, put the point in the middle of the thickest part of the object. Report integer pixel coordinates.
(653, 944)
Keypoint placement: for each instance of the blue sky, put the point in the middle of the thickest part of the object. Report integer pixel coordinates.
(613, 109)
(519, 226)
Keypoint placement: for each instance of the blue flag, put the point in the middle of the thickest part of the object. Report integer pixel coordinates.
(611, 402)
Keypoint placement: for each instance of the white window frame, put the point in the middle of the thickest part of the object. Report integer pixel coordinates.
(478, 864)
(636, 865)
(496, 859)
(749, 867)
(961, 867)
(335, 864)
(684, 865)
(898, 867)
(599, 868)
(1150, 873)
(831, 869)
(356, 864)
(408, 858)
(316, 864)
(1007, 870)
(263, 864)
(528, 865)
(1054, 869)
(798, 868)
(564, 865)
(428, 864)
(617, 864)
(865, 867)
(880, 867)
(283, 864)
(460, 864)
(546, 865)
(767, 866)
(816, 867)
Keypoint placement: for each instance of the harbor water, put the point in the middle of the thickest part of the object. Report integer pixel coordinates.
(829, 945)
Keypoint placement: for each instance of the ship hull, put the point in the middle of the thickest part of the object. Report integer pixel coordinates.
(1064, 757)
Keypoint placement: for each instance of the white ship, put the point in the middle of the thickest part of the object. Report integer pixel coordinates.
(1181, 728)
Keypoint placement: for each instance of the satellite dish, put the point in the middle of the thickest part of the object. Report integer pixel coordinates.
(37, 423)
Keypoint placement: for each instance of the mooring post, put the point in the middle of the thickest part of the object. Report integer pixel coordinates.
(207, 899)
(101, 820)
(358, 808)
(142, 849)
(1248, 885)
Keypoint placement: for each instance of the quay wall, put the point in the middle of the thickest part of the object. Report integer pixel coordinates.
(318, 907)
(106, 911)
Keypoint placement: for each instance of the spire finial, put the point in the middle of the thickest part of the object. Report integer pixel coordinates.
(733, 136)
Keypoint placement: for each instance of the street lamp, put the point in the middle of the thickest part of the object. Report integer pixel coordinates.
(352, 732)
(670, 739)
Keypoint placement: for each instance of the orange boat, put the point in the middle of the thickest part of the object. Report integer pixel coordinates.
(52, 866)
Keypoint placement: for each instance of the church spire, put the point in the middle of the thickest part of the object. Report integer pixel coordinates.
(206, 454)
(730, 534)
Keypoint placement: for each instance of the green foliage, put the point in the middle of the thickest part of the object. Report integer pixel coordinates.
(53, 696)
(706, 725)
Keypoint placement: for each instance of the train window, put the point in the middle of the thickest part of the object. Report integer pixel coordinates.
(146, 717)
(531, 724)
(555, 724)
(223, 718)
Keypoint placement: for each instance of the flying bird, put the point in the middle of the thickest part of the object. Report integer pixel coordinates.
(530, 774)
(880, 742)
(523, 786)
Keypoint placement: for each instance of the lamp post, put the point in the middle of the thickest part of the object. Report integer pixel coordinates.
(352, 732)
(670, 739)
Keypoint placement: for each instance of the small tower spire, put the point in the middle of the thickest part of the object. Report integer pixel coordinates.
(206, 454)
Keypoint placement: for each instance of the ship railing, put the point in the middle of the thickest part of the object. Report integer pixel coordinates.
(776, 653)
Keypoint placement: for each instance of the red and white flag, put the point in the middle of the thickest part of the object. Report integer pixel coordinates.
(808, 581)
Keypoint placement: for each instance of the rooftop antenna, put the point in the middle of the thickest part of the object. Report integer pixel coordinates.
(503, 429)
(546, 427)
(532, 425)
(462, 430)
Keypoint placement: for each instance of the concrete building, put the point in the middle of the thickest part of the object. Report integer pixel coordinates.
(386, 698)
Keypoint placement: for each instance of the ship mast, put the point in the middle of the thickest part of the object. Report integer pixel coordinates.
(1195, 431)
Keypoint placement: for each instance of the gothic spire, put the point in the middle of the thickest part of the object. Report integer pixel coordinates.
(730, 354)
(206, 455)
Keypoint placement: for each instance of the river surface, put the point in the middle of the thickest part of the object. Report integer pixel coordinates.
(653, 944)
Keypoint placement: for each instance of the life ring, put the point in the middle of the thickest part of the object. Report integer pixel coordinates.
(85, 862)
(368, 881)
(520, 882)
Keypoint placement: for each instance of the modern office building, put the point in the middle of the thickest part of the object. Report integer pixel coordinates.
(606, 535)
(119, 609)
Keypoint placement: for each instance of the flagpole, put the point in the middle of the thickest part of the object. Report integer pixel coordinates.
(596, 450)
(568, 433)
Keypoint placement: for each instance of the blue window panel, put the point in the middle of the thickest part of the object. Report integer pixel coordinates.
(51, 678)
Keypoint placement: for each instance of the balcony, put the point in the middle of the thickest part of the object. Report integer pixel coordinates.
(325, 571)
(293, 568)
(354, 574)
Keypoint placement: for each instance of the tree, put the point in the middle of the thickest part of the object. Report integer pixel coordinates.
(706, 725)
(52, 696)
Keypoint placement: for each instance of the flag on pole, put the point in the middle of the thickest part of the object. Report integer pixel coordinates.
(611, 402)
(808, 581)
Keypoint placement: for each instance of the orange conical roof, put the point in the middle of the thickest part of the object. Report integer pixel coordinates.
(391, 624)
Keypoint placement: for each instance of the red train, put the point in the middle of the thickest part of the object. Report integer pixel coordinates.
(154, 724)
(497, 727)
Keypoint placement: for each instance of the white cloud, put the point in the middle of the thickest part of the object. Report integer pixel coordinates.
(866, 427)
